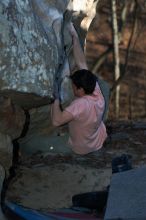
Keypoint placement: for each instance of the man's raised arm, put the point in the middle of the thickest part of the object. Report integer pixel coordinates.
(77, 50)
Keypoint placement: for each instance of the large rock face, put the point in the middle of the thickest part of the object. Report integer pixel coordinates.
(30, 46)
(33, 35)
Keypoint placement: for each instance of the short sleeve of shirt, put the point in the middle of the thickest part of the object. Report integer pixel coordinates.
(97, 90)
(76, 107)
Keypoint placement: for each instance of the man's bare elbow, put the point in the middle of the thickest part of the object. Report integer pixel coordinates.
(55, 123)
(82, 66)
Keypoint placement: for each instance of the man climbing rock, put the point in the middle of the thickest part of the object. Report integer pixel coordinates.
(84, 115)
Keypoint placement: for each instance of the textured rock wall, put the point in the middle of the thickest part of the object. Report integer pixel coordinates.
(29, 48)
(33, 35)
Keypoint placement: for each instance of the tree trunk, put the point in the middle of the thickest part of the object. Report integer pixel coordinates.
(116, 54)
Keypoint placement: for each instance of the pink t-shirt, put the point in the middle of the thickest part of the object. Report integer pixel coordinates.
(87, 130)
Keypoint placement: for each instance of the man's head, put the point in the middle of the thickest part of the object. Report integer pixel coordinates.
(84, 82)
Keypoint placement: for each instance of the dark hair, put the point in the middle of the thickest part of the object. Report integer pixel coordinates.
(84, 79)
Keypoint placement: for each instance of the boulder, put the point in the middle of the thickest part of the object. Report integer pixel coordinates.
(33, 41)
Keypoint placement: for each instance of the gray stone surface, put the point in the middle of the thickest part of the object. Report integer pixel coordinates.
(33, 34)
(31, 44)
(127, 196)
(25, 51)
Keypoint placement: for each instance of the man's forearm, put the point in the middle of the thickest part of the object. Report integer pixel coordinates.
(59, 117)
(77, 49)
(79, 54)
(56, 112)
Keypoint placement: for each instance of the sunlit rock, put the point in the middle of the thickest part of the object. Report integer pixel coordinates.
(35, 47)
(29, 60)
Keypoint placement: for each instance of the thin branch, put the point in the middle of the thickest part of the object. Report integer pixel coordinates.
(101, 59)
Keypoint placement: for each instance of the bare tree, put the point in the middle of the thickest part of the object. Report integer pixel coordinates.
(133, 31)
(116, 53)
(122, 22)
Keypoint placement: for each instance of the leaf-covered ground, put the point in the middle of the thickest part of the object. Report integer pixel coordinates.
(47, 181)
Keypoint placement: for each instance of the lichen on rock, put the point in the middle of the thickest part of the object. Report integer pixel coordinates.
(28, 60)
(32, 45)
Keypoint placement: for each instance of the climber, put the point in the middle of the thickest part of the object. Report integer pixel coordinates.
(87, 131)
